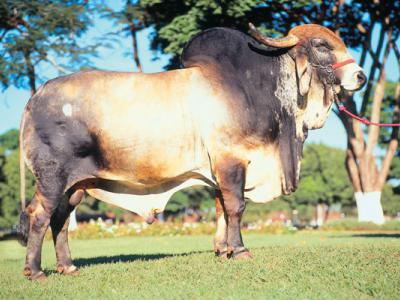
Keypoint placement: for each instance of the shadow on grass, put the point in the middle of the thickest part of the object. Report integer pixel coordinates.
(82, 262)
(377, 235)
(368, 235)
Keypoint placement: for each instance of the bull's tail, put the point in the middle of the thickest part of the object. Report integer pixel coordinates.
(23, 228)
(21, 174)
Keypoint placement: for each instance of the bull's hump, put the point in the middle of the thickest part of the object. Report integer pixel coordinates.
(215, 44)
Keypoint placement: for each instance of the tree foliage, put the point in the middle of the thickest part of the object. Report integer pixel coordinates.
(175, 22)
(391, 201)
(38, 31)
(194, 198)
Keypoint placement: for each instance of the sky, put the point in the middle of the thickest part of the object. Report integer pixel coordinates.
(119, 58)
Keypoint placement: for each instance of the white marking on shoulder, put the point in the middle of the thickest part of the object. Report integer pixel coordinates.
(67, 110)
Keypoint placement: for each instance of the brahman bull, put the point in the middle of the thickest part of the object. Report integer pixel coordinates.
(234, 118)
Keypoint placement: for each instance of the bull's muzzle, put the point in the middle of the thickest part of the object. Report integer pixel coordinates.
(354, 81)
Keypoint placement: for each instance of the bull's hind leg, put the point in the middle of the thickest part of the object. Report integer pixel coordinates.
(39, 220)
(231, 176)
(59, 227)
(220, 238)
(49, 193)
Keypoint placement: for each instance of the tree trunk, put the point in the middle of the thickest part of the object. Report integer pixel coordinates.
(361, 164)
(135, 46)
(321, 211)
(369, 207)
(30, 72)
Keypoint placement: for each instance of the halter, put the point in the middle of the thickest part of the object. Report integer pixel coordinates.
(330, 71)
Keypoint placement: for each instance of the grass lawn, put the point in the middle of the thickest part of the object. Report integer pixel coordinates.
(306, 265)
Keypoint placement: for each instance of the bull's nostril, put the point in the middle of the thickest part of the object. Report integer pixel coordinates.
(361, 78)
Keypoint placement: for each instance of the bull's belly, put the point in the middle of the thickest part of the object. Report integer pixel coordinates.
(144, 200)
(144, 181)
(154, 167)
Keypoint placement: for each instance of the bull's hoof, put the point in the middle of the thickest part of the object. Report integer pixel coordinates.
(37, 276)
(240, 254)
(220, 248)
(68, 270)
(221, 253)
(246, 255)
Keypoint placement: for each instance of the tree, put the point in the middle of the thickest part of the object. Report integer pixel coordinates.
(37, 31)
(362, 164)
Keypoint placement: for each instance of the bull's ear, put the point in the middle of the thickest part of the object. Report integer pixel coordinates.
(303, 72)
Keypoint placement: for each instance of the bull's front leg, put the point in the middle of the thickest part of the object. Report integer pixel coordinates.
(231, 176)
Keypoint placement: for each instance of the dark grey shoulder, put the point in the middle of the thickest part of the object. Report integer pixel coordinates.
(215, 44)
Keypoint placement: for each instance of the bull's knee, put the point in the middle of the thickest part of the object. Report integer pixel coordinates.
(235, 209)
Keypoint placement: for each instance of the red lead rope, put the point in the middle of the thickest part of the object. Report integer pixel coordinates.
(365, 121)
(343, 109)
(342, 63)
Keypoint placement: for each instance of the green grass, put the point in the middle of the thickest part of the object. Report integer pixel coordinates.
(310, 265)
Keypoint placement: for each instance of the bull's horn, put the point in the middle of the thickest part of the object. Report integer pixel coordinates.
(288, 41)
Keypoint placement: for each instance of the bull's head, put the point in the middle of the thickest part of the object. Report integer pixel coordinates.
(315, 49)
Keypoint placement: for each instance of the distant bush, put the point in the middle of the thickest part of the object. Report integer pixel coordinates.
(100, 229)
(353, 224)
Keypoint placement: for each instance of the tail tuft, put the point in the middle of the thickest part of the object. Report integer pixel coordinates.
(23, 228)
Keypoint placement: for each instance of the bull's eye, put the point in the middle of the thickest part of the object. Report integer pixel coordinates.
(321, 45)
(322, 48)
